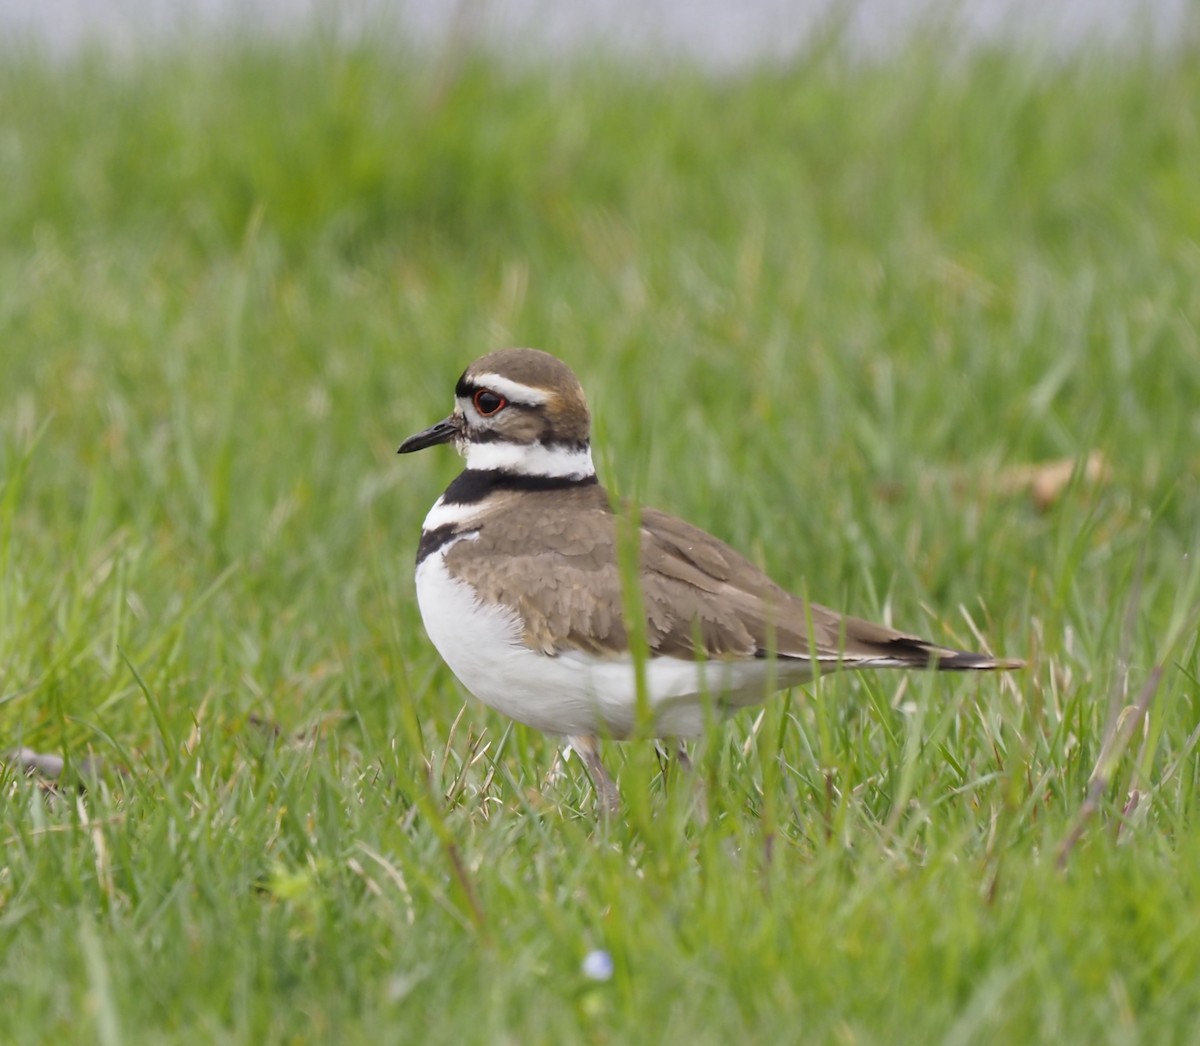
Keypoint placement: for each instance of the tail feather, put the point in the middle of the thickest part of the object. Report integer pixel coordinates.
(920, 654)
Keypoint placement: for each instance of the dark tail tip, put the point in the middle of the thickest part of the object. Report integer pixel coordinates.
(920, 653)
(965, 661)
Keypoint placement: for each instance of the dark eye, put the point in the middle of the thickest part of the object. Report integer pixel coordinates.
(488, 403)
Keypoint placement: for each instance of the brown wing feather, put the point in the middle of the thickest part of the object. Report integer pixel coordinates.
(701, 597)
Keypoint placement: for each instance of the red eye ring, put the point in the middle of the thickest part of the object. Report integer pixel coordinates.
(488, 402)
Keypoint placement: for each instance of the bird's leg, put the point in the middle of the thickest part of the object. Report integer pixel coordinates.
(608, 796)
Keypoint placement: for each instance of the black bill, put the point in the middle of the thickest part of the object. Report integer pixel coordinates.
(445, 431)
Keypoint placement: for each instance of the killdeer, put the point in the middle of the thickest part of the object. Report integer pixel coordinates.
(520, 589)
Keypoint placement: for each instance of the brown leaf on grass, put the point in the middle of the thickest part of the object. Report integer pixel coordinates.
(1046, 480)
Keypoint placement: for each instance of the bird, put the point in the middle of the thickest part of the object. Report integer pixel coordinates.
(521, 589)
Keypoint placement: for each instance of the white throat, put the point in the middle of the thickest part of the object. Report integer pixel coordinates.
(531, 459)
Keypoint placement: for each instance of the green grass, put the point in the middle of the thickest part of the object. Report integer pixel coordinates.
(818, 311)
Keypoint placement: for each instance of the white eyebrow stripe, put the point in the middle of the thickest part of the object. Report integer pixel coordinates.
(532, 459)
(511, 390)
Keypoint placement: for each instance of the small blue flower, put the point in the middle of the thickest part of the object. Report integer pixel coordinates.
(597, 965)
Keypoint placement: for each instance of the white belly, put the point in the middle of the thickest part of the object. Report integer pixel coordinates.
(573, 692)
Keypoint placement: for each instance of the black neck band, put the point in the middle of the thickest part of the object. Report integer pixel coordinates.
(473, 485)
